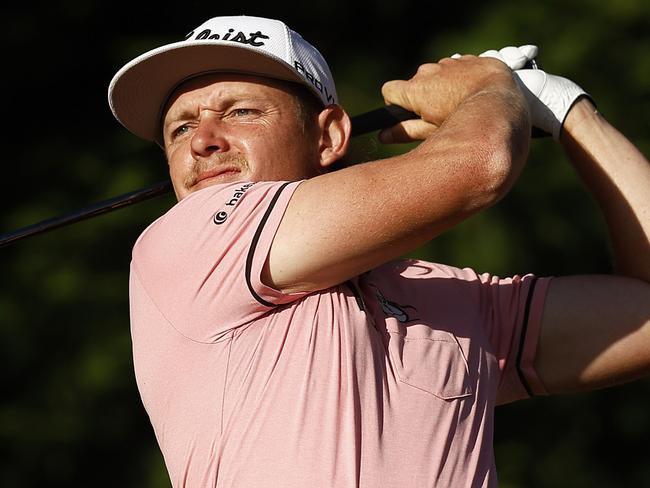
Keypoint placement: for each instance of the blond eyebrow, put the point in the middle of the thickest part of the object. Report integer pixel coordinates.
(182, 114)
(185, 112)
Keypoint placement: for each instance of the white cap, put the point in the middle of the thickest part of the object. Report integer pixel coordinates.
(241, 44)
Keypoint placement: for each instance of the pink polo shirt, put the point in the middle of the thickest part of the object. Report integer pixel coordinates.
(389, 380)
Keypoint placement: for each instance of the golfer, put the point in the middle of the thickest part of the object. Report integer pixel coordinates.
(278, 339)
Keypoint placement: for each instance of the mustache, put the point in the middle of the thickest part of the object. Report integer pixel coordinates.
(216, 161)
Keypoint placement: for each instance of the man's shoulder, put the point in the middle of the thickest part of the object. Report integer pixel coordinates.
(214, 208)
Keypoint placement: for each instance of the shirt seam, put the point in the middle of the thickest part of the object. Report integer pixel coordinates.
(227, 337)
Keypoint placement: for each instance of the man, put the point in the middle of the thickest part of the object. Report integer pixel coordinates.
(276, 340)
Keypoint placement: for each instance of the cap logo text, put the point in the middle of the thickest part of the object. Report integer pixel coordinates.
(314, 81)
(240, 37)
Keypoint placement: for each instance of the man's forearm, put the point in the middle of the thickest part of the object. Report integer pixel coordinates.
(498, 120)
(332, 231)
(618, 176)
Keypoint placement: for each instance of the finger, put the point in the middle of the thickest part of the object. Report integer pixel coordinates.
(395, 93)
(492, 53)
(407, 131)
(449, 60)
(530, 51)
(514, 57)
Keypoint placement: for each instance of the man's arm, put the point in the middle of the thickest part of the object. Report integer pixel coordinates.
(596, 329)
(344, 223)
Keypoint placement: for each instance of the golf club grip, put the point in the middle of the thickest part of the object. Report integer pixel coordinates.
(380, 118)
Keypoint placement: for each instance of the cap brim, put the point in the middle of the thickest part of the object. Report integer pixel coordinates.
(139, 90)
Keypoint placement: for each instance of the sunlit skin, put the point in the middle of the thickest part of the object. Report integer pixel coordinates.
(223, 128)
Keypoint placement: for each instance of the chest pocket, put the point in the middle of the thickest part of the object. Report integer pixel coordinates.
(429, 360)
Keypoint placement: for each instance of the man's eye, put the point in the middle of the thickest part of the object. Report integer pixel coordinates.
(180, 130)
(243, 112)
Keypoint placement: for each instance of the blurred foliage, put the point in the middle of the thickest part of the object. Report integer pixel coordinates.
(70, 413)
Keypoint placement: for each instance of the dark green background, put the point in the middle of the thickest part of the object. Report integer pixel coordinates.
(70, 413)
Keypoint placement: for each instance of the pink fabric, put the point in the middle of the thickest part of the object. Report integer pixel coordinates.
(386, 381)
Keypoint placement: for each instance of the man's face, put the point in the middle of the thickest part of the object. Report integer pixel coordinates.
(223, 128)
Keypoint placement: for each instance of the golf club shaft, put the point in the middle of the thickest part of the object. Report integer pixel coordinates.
(361, 124)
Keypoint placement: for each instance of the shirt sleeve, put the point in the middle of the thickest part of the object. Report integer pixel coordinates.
(201, 262)
(512, 320)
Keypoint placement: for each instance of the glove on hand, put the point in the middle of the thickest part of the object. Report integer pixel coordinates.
(514, 57)
(549, 97)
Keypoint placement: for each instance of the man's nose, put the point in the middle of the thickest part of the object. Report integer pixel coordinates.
(209, 137)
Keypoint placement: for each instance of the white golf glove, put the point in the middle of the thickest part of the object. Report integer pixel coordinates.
(549, 97)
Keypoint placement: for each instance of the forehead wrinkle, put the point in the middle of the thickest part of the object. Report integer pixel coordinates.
(222, 93)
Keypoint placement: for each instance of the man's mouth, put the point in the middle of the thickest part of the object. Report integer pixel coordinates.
(217, 175)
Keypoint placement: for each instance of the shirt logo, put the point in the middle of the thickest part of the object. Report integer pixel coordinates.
(222, 215)
(392, 309)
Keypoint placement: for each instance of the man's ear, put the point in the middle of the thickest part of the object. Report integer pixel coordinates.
(335, 129)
